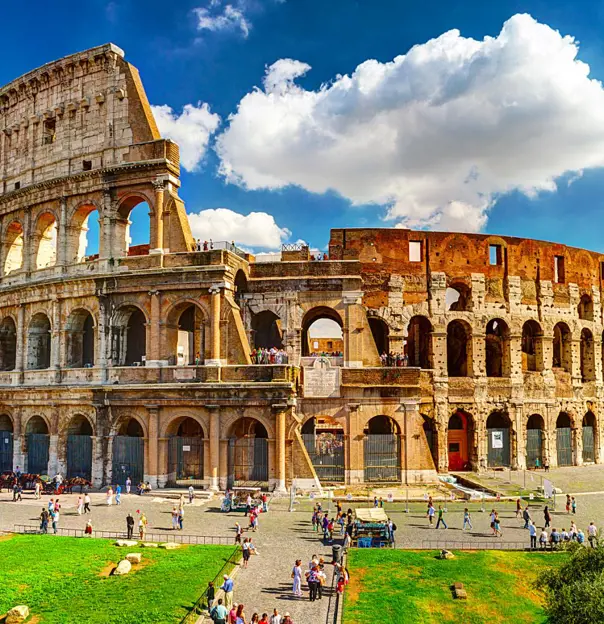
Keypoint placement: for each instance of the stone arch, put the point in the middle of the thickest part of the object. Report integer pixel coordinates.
(78, 446)
(248, 459)
(532, 346)
(535, 441)
(241, 285)
(39, 342)
(186, 323)
(172, 425)
(460, 434)
(186, 439)
(13, 244)
(310, 318)
(499, 443)
(37, 444)
(590, 438)
(459, 349)
(497, 349)
(382, 449)
(6, 442)
(564, 439)
(128, 449)
(419, 342)
(458, 297)
(122, 233)
(585, 308)
(562, 349)
(588, 364)
(128, 336)
(45, 239)
(267, 332)
(324, 440)
(78, 237)
(8, 344)
(80, 339)
(380, 333)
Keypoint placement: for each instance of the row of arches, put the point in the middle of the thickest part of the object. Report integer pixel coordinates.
(82, 236)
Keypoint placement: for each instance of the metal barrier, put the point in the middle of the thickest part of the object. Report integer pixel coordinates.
(201, 540)
(469, 545)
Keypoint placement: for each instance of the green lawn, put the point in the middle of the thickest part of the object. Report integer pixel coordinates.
(415, 586)
(64, 579)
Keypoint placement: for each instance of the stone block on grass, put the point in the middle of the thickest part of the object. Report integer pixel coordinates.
(134, 557)
(170, 545)
(126, 543)
(123, 567)
(17, 614)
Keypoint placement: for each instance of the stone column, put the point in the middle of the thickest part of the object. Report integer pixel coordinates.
(157, 242)
(516, 356)
(17, 442)
(223, 472)
(62, 234)
(53, 459)
(153, 332)
(102, 338)
(152, 468)
(105, 229)
(55, 340)
(353, 341)
(214, 327)
(280, 476)
(21, 346)
(439, 352)
(214, 446)
(355, 441)
(28, 248)
(97, 461)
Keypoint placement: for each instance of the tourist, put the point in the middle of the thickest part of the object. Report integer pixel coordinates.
(227, 588)
(233, 614)
(497, 526)
(555, 538)
(109, 496)
(128, 484)
(592, 534)
(287, 619)
(174, 518)
(264, 619)
(54, 515)
(191, 494)
(564, 535)
(255, 619)
(246, 552)
(38, 489)
(17, 472)
(518, 508)
(547, 516)
(51, 505)
(80, 505)
(248, 504)
(181, 517)
(86, 503)
(238, 533)
(431, 512)
(129, 525)
(276, 617)
(44, 520)
(572, 532)
(219, 613)
(568, 503)
(297, 576)
(58, 481)
(441, 518)
(57, 506)
(467, 519)
(240, 617)
(142, 526)
(313, 581)
(526, 515)
(264, 502)
(88, 529)
(533, 534)
(573, 505)
(210, 593)
(543, 539)
(580, 537)
(118, 494)
(391, 530)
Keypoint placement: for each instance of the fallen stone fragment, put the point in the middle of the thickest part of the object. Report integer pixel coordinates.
(126, 543)
(123, 567)
(169, 545)
(134, 557)
(17, 614)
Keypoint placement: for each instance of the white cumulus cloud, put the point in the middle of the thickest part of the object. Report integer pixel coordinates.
(436, 135)
(191, 130)
(216, 17)
(255, 230)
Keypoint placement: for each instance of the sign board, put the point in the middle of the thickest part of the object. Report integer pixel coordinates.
(548, 488)
(349, 497)
(390, 498)
(497, 439)
(321, 380)
(184, 373)
(186, 448)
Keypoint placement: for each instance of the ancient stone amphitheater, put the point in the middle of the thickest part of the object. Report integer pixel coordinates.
(136, 360)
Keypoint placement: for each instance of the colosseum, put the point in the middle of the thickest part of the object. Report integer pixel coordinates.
(447, 352)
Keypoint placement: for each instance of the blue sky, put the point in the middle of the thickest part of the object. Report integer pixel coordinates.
(347, 157)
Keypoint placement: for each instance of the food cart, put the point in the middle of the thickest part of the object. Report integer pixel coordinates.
(235, 499)
(370, 528)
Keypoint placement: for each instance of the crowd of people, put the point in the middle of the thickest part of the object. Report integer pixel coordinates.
(269, 356)
(394, 359)
(326, 354)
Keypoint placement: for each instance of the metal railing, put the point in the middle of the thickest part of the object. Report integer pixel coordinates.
(294, 247)
(178, 538)
(201, 602)
(211, 245)
(470, 545)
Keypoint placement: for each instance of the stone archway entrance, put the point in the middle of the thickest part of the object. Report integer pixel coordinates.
(79, 448)
(564, 445)
(535, 441)
(38, 445)
(6, 443)
(324, 441)
(458, 441)
(248, 453)
(499, 440)
(185, 454)
(381, 450)
(129, 453)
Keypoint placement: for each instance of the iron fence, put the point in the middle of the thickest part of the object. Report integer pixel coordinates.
(199, 540)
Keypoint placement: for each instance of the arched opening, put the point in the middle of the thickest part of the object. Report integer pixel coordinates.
(185, 453)
(46, 239)
(497, 349)
(457, 298)
(248, 453)
(586, 308)
(588, 368)
(419, 342)
(38, 342)
(240, 286)
(79, 448)
(589, 438)
(380, 332)
(324, 441)
(129, 337)
(83, 238)
(38, 445)
(186, 335)
(431, 436)
(382, 450)
(535, 441)
(266, 326)
(322, 332)
(562, 354)
(79, 339)
(459, 441)
(6, 443)
(13, 248)
(499, 440)
(129, 453)
(532, 346)
(564, 444)
(8, 344)
(459, 349)
(133, 227)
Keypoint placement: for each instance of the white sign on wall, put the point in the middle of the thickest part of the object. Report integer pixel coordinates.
(497, 439)
(186, 448)
(321, 380)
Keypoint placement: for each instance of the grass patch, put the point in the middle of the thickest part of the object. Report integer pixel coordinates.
(415, 587)
(64, 579)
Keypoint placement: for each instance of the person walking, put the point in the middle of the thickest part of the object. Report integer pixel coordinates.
(118, 494)
(297, 577)
(526, 515)
(240, 616)
(467, 520)
(573, 505)
(88, 529)
(210, 594)
(80, 506)
(109, 496)
(568, 503)
(54, 514)
(219, 613)
(313, 580)
(142, 526)
(547, 517)
(441, 518)
(533, 534)
(129, 525)
(174, 518)
(227, 588)
(592, 534)
(543, 538)
(128, 485)
(44, 520)
(191, 494)
(497, 526)
(38, 490)
(431, 512)
(518, 508)
(86, 503)
(246, 552)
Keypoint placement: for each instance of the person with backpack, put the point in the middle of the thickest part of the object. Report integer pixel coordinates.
(219, 613)
(391, 530)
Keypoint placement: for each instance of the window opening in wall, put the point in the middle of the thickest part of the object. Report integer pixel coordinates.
(495, 255)
(50, 127)
(136, 226)
(86, 165)
(84, 235)
(47, 241)
(559, 277)
(415, 251)
(457, 298)
(320, 326)
(17, 186)
(14, 248)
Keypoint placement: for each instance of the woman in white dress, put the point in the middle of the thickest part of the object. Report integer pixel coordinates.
(297, 576)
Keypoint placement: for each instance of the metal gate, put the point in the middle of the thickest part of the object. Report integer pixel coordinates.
(588, 444)
(382, 457)
(499, 447)
(38, 445)
(6, 451)
(79, 456)
(326, 451)
(185, 461)
(248, 461)
(534, 447)
(564, 446)
(128, 459)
